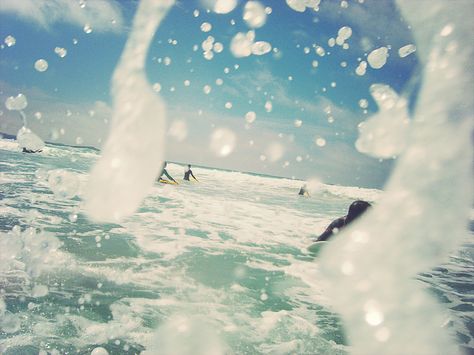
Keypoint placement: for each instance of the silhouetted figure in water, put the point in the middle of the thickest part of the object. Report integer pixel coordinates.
(356, 209)
(188, 172)
(303, 191)
(30, 150)
(164, 172)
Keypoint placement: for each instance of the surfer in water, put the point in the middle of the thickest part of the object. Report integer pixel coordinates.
(188, 172)
(303, 191)
(164, 172)
(31, 150)
(356, 209)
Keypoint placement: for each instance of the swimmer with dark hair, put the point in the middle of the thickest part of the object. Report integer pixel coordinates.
(356, 209)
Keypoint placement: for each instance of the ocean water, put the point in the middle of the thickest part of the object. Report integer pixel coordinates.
(209, 267)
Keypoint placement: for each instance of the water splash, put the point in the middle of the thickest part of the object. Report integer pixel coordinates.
(133, 153)
(424, 212)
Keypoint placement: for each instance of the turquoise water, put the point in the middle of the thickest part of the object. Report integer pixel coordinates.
(219, 266)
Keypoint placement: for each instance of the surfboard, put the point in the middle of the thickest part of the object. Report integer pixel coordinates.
(164, 181)
(316, 247)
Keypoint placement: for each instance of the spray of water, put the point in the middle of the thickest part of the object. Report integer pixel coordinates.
(371, 266)
(133, 153)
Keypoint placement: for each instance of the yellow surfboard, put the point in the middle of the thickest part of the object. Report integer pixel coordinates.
(164, 181)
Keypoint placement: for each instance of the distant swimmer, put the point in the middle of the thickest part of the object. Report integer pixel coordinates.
(31, 151)
(188, 172)
(303, 191)
(356, 209)
(164, 172)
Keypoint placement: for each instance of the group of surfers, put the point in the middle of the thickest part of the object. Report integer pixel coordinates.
(356, 208)
(187, 173)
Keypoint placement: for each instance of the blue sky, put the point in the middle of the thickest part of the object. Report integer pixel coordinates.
(74, 101)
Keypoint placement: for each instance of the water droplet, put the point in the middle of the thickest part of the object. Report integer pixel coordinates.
(17, 103)
(361, 68)
(157, 87)
(63, 183)
(373, 316)
(206, 27)
(363, 103)
(224, 6)
(218, 47)
(406, 50)
(87, 28)
(268, 106)
(41, 65)
(222, 142)
(178, 130)
(320, 142)
(261, 48)
(10, 41)
(250, 116)
(320, 51)
(378, 57)
(254, 14)
(228, 105)
(39, 291)
(207, 89)
(99, 351)
(298, 123)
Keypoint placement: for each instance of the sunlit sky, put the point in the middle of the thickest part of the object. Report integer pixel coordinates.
(307, 105)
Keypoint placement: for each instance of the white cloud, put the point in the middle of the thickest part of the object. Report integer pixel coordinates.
(100, 15)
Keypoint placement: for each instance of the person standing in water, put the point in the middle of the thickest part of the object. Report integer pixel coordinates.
(303, 191)
(188, 172)
(356, 209)
(164, 172)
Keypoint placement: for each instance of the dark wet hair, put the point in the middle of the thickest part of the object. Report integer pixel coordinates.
(356, 209)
